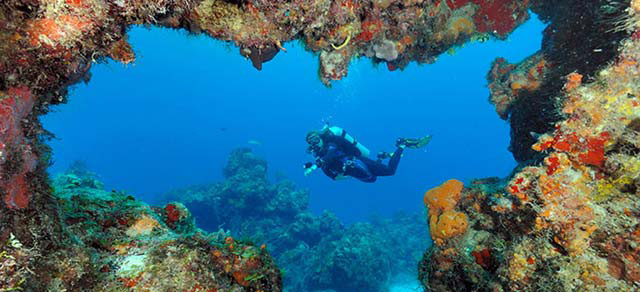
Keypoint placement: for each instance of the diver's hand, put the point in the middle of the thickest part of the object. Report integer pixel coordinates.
(309, 168)
(308, 171)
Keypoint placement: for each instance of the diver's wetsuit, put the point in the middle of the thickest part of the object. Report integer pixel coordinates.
(347, 161)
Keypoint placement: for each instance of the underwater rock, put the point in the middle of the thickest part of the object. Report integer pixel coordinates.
(244, 160)
(317, 252)
(581, 37)
(568, 220)
(78, 176)
(259, 55)
(250, 205)
(507, 82)
(48, 47)
(333, 66)
(386, 50)
(357, 261)
(112, 242)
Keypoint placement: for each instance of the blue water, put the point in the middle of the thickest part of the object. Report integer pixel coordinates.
(171, 119)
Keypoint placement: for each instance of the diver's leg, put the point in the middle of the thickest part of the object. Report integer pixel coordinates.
(395, 160)
(378, 169)
(375, 167)
(359, 168)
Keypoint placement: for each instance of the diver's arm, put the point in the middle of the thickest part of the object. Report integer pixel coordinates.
(330, 155)
(331, 174)
(329, 161)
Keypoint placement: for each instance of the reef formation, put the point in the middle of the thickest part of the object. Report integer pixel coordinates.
(566, 219)
(110, 241)
(316, 252)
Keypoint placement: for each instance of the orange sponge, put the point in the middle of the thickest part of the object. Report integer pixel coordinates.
(447, 225)
(444, 197)
(444, 222)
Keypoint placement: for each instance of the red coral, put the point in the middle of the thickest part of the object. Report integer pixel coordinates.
(15, 106)
(595, 150)
(455, 4)
(17, 192)
(562, 146)
(589, 150)
(483, 258)
(552, 164)
(370, 28)
(498, 16)
(173, 214)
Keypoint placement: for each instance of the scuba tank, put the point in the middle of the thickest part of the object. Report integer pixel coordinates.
(337, 131)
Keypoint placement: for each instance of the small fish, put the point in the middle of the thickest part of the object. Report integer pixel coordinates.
(223, 129)
(254, 142)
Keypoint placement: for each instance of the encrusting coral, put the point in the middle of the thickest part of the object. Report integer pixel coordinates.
(122, 244)
(567, 219)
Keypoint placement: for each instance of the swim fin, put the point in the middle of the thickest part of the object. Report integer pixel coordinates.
(413, 143)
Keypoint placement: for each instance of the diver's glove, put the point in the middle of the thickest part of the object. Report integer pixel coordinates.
(309, 168)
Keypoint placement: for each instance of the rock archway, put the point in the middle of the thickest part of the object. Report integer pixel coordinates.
(568, 212)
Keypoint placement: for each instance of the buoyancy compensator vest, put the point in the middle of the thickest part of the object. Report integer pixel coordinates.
(336, 134)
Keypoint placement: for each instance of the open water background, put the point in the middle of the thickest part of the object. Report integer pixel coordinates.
(171, 119)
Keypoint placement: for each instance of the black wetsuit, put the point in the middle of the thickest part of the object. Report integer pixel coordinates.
(339, 157)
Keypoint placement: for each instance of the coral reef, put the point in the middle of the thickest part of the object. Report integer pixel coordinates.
(567, 219)
(317, 252)
(48, 45)
(66, 37)
(357, 260)
(116, 243)
(581, 37)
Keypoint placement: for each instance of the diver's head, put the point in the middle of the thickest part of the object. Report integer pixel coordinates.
(314, 140)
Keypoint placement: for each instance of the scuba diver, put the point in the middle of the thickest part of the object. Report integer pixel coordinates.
(339, 155)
